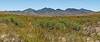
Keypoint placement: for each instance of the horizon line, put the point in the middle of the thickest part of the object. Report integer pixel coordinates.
(42, 8)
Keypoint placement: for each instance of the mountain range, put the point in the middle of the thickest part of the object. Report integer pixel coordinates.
(53, 12)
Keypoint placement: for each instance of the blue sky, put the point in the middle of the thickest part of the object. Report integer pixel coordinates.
(38, 4)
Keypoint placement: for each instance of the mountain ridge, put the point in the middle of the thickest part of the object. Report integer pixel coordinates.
(53, 12)
(60, 12)
(51, 9)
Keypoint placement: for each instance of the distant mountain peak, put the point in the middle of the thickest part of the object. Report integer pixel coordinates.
(59, 10)
(85, 10)
(44, 10)
(29, 10)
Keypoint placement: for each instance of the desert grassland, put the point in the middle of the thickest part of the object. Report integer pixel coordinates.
(50, 29)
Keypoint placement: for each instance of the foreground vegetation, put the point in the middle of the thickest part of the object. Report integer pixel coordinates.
(20, 28)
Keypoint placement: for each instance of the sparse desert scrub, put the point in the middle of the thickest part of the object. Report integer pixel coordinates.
(23, 28)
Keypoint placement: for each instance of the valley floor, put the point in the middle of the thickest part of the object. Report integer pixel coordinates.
(20, 28)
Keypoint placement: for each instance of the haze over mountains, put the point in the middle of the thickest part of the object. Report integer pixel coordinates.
(53, 12)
